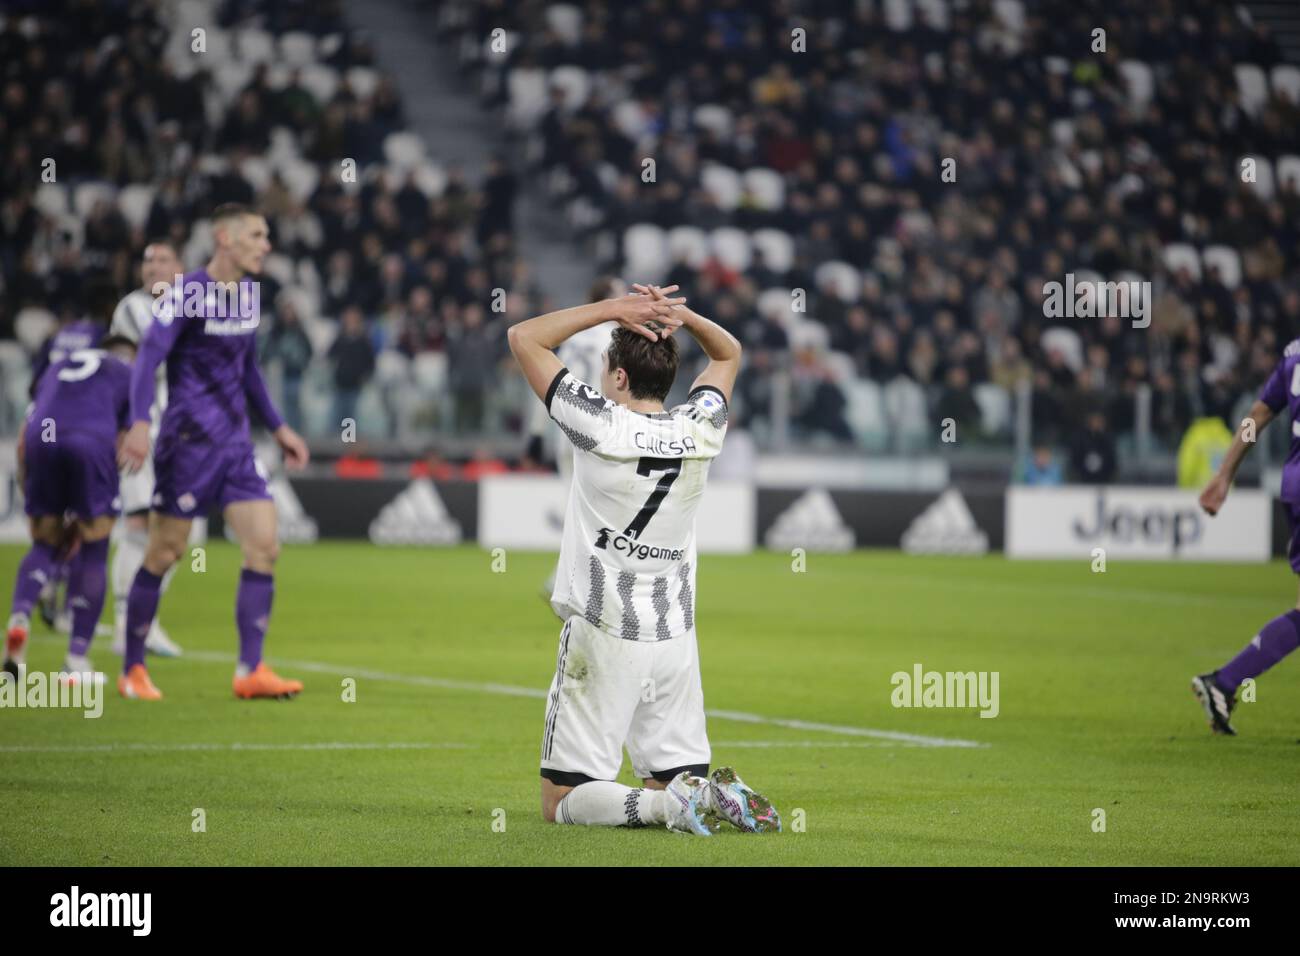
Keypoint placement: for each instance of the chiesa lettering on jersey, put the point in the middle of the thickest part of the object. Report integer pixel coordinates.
(628, 556)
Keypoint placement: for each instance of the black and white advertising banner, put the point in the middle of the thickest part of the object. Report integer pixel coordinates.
(527, 512)
(1136, 523)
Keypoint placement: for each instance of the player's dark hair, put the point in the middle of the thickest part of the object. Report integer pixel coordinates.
(229, 210)
(110, 342)
(650, 366)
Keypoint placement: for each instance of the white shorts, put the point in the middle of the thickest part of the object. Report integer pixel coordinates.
(136, 489)
(608, 693)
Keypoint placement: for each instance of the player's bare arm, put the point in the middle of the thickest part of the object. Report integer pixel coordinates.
(534, 340)
(721, 347)
(295, 450)
(1216, 492)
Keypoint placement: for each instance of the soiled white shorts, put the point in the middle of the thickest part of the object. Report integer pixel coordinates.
(608, 693)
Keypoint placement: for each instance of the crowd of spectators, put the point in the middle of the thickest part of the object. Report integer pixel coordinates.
(1067, 158)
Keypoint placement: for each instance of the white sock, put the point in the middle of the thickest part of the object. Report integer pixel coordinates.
(127, 559)
(602, 803)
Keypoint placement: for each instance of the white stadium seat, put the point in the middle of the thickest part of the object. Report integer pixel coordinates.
(717, 119)
(257, 171)
(52, 200)
(935, 13)
(255, 46)
(840, 278)
(363, 81)
(690, 244)
(1066, 341)
(566, 20)
(865, 412)
(723, 183)
(134, 202)
(778, 304)
(1227, 260)
(430, 371)
(321, 81)
(807, 334)
(574, 82)
(430, 179)
(995, 407)
(526, 95)
(1286, 82)
(1252, 86)
(403, 150)
(1012, 15)
(731, 246)
(32, 326)
(298, 48)
(645, 251)
(1288, 172)
(1264, 185)
(86, 195)
(777, 247)
(766, 186)
(1179, 255)
(906, 408)
(898, 14)
(1139, 80)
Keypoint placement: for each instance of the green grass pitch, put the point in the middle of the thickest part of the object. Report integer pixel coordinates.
(1095, 712)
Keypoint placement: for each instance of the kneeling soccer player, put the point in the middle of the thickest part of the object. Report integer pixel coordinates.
(1217, 690)
(628, 664)
(68, 455)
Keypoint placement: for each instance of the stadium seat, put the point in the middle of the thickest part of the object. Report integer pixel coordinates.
(1228, 262)
(404, 150)
(1286, 82)
(1063, 132)
(1179, 255)
(575, 83)
(808, 334)
(257, 171)
(566, 20)
(1012, 15)
(300, 178)
(841, 367)
(766, 186)
(1252, 87)
(776, 246)
(689, 243)
(714, 118)
(731, 246)
(906, 409)
(1288, 172)
(865, 413)
(429, 370)
(363, 80)
(1264, 184)
(392, 368)
(898, 15)
(32, 326)
(1058, 338)
(645, 251)
(841, 278)
(86, 195)
(231, 80)
(723, 184)
(279, 267)
(630, 120)
(1140, 82)
(935, 13)
(778, 304)
(430, 179)
(255, 46)
(526, 97)
(134, 202)
(52, 200)
(995, 407)
(299, 49)
(321, 81)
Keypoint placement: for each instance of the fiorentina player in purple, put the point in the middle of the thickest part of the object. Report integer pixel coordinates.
(1217, 691)
(71, 335)
(67, 455)
(205, 330)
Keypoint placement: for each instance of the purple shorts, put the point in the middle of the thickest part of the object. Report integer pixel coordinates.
(74, 476)
(192, 478)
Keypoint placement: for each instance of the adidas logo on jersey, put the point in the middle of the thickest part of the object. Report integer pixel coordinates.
(946, 527)
(416, 516)
(625, 545)
(812, 522)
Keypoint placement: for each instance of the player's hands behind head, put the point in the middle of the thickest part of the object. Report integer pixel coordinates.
(649, 313)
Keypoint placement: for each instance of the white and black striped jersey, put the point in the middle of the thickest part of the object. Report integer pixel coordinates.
(131, 319)
(627, 556)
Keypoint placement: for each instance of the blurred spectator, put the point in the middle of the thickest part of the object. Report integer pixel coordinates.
(1092, 457)
(288, 344)
(354, 362)
(1042, 468)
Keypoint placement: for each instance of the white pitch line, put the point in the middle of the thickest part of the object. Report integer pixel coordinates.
(216, 657)
(803, 744)
(232, 747)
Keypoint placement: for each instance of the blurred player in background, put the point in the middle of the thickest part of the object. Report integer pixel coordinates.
(1217, 690)
(73, 333)
(628, 665)
(131, 319)
(67, 457)
(204, 452)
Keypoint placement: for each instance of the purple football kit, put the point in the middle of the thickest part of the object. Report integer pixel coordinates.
(70, 440)
(1282, 391)
(204, 453)
(82, 334)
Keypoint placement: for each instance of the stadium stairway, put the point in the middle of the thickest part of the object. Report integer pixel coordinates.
(442, 108)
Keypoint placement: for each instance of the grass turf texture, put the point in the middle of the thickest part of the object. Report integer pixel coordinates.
(1095, 713)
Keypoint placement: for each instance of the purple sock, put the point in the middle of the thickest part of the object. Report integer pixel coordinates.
(33, 574)
(87, 582)
(1279, 638)
(253, 614)
(141, 606)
